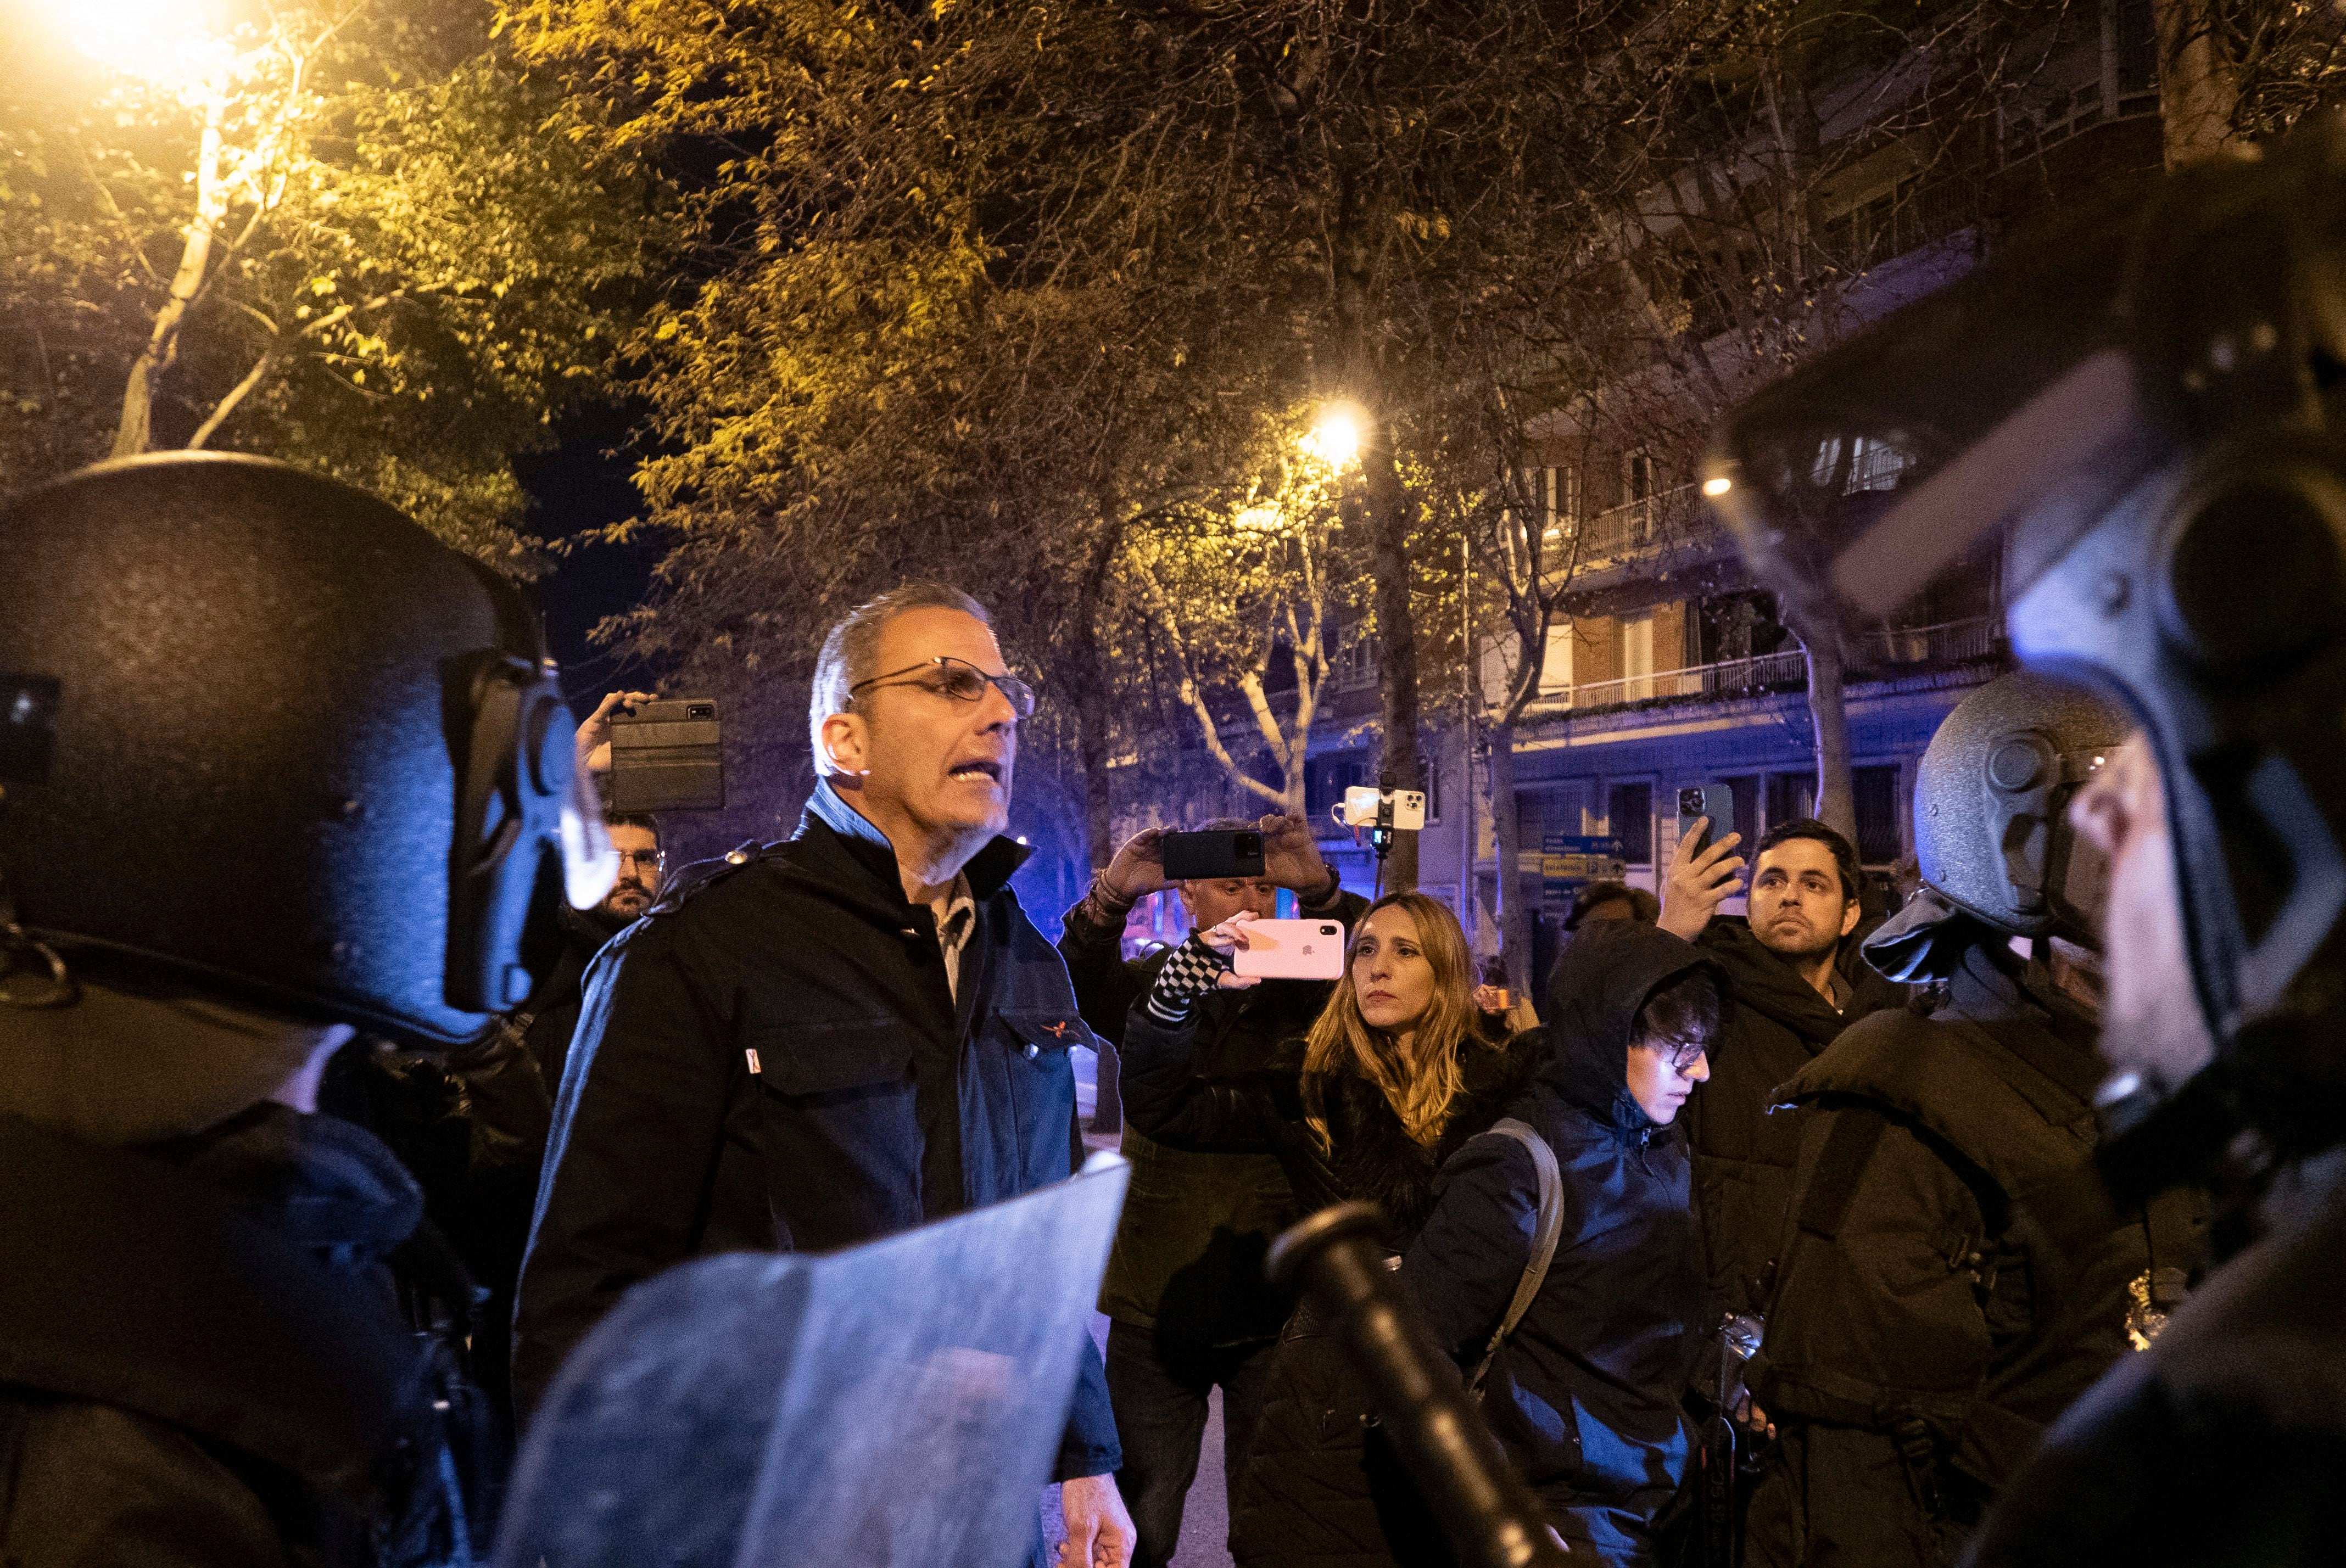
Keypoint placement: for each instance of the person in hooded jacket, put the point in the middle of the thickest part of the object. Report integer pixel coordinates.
(1586, 1394)
(1952, 1278)
(1392, 1079)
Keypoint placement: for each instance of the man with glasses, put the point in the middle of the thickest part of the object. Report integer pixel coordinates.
(829, 1039)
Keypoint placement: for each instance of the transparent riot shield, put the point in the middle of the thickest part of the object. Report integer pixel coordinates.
(896, 1405)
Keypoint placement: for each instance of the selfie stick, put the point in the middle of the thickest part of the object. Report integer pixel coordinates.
(1380, 831)
(1336, 1261)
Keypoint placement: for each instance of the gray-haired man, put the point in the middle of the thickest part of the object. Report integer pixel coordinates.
(840, 1036)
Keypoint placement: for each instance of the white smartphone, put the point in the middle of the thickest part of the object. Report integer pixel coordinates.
(1292, 950)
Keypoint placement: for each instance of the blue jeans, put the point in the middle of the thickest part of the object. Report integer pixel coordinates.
(1158, 1392)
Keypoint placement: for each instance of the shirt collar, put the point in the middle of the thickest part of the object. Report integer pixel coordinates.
(985, 875)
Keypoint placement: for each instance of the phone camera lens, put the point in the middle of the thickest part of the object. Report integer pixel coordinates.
(1327, 930)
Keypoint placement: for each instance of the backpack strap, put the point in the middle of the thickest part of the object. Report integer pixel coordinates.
(1549, 1227)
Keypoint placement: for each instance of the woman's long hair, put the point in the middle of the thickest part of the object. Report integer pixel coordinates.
(1420, 1086)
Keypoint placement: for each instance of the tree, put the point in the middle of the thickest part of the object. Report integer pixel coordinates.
(1248, 602)
(343, 236)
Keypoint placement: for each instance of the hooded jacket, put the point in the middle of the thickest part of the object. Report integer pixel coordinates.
(1743, 1148)
(1585, 1395)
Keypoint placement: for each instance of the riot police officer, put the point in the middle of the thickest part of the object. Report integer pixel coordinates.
(2145, 418)
(1937, 1301)
(274, 765)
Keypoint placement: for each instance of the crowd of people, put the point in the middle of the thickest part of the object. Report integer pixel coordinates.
(1793, 1237)
(1712, 1120)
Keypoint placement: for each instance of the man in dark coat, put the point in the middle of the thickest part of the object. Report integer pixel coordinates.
(836, 1037)
(550, 1017)
(1936, 1303)
(1189, 1306)
(1794, 988)
(1587, 1394)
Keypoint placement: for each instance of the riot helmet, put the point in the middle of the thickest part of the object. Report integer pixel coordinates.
(1992, 834)
(264, 735)
(2141, 422)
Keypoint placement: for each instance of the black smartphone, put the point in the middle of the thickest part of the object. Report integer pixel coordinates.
(668, 756)
(1711, 799)
(1211, 857)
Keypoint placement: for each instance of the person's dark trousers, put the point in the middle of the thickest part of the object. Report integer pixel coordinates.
(1158, 1394)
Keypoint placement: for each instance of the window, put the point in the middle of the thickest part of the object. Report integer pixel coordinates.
(1876, 788)
(1433, 793)
(1629, 817)
(1325, 779)
(1790, 796)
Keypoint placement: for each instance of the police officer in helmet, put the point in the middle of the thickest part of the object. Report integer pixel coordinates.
(1949, 1282)
(2145, 419)
(218, 670)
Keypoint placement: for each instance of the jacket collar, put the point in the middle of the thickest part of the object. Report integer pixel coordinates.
(989, 871)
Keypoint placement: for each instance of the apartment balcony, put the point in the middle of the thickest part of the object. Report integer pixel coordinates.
(1888, 654)
(1664, 534)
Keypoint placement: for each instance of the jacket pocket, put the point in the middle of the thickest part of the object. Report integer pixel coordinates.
(1036, 1036)
(831, 1057)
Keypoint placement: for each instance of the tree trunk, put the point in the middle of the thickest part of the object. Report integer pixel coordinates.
(1507, 829)
(2197, 88)
(1836, 788)
(1391, 513)
(135, 433)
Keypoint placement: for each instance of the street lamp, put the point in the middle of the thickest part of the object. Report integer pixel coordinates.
(180, 45)
(1335, 440)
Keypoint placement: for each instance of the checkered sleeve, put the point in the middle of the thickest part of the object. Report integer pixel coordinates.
(1191, 971)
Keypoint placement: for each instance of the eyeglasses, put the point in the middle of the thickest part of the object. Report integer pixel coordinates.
(1680, 1055)
(962, 680)
(647, 862)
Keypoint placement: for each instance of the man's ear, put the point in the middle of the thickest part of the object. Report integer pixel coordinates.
(1188, 904)
(846, 745)
(1848, 914)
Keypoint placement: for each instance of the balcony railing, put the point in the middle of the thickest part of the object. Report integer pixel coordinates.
(1670, 519)
(1951, 641)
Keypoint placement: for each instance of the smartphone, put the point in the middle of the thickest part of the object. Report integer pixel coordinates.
(1712, 799)
(1291, 950)
(1212, 857)
(1365, 803)
(668, 756)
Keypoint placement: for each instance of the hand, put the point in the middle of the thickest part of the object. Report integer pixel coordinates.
(593, 739)
(1290, 857)
(1698, 884)
(1228, 938)
(1099, 1529)
(1753, 1419)
(1138, 868)
(1491, 999)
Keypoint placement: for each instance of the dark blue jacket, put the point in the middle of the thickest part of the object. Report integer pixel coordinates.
(1585, 1396)
(772, 1058)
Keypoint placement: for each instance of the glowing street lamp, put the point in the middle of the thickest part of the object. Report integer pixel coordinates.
(180, 45)
(1336, 439)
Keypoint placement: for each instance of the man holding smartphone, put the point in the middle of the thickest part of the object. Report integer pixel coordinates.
(1188, 1309)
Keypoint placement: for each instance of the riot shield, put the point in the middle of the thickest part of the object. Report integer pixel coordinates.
(895, 1405)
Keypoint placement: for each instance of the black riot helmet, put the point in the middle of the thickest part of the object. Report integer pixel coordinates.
(1991, 833)
(2146, 417)
(263, 735)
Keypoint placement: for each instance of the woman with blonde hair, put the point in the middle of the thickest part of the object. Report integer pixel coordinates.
(1391, 1078)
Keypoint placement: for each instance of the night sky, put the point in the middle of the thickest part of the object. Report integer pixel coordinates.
(577, 488)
